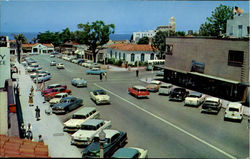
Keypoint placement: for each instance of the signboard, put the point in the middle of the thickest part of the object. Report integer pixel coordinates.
(4, 65)
(197, 66)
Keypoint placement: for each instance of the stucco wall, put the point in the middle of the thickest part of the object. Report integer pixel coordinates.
(212, 52)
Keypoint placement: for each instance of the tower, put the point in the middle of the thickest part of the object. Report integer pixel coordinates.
(172, 24)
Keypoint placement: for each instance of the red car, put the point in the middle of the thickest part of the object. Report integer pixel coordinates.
(50, 88)
(138, 91)
(55, 91)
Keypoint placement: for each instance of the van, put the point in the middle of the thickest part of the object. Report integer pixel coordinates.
(234, 111)
(73, 124)
(211, 105)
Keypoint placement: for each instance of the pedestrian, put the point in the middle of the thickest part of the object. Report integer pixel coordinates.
(40, 139)
(23, 131)
(101, 76)
(105, 75)
(137, 73)
(29, 134)
(37, 113)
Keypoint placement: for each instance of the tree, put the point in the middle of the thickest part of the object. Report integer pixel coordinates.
(66, 35)
(217, 22)
(49, 37)
(159, 42)
(143, 40)
(180, 33)
(20, 39)
(95, 35)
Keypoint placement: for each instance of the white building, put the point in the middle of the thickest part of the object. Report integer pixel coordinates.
(139, 35)
(171, 26)
(238, 27)
(37, 48)
(131, 53)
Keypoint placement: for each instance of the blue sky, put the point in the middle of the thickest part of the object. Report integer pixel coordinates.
(127, 15)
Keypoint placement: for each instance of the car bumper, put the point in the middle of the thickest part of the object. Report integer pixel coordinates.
(57, 111)
(103, 101)
(233, 117)
(175, 99)
(70, 130)
(191, 103)
(209, 111)
(80, 143)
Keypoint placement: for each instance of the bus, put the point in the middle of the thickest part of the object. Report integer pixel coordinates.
(152, 63)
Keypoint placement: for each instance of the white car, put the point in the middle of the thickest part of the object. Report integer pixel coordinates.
(52, 56)
(57, 98)
(42, 78)
(99, 97)
(88, 62)
(234, 111)
(194, 99)
(165, 88)
(60, 66)
(88, 130)
(130, 152)
(211, 105)
(73, 124)
(53, 63)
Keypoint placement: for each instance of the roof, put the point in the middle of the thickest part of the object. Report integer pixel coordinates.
(139, 87)
(32, 45)
(108, 133)
(84, 111)
(132, 47)
(213, 99)
(195, 93)
(125, 152)
(12, 146)
(60, 94)
(93, 122)
(234, 105)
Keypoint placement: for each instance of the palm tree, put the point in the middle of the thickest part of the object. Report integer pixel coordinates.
(34, 40)
(20, 38)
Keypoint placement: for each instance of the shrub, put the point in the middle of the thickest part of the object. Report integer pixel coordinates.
(111, 61)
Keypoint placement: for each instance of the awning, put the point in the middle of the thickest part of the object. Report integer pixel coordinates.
(214, 77)
(171, 69)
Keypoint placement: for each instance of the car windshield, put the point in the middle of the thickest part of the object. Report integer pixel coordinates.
(58, 96)
(65, 101)
(142, 90)
(194, 96)
(75, 116)
(88, 127)
(165, 87)
(233, 109)
(100, 93)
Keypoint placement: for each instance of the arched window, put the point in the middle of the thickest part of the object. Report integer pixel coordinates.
(152, 56)
(111, 54)
(132, 59)
(142, 57)
(119, 55)
(123, 56)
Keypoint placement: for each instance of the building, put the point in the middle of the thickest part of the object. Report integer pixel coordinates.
(170, 27)
(13, 47)
(37, 48)
(69, 47)
(131, 53)
(139, 35)
(218, 67)
(238, 27)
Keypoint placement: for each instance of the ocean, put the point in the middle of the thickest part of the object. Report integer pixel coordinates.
(30, 35)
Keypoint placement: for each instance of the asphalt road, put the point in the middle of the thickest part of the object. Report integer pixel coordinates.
(167, 129)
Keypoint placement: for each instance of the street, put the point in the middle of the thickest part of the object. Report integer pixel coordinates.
(167, 129)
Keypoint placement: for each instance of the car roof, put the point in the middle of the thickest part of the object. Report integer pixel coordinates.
(166, 84)
(109, 133)
(77, 78)
(84, 111)
(234, 105)
(139, 87)
(214, 99)
(94, 122)
(195, 93)
(61, 94)
(125, 152)
(54, 84)
(69, 97)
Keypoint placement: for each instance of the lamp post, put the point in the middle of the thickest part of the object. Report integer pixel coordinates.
(102, 137)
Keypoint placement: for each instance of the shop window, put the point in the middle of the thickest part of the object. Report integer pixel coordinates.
(35, 50)
(235, 58)
(248, 30)
(169, 49)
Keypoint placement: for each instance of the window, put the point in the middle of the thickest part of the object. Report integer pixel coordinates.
(152, 56)
(132, 58)
(119, 55)
(248, 30)
(169, 49)
(142, 57)
(111, 54)
(115, 54)
(123, 56)
(235, 58)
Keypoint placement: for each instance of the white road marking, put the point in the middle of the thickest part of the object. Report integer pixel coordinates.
(171, 124)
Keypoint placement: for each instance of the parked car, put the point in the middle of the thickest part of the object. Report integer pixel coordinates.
(138, 91)
(56, 91)
(153, 86)
(86, 62)
(165, 89)
(234, 111)
(178, 94)
(100, 97)
(52, 56)
(211, 105)
(114, 140)
(130, 152)
(57, 98)
(194, 99)
(50, 88)
(95, 71)
(67, 104)
(60, 65)
(33, 75)
(42, 78)
(82, 115)
(88, 130)
(160, 73)
(33, 67)
(53, 63)
(95, 65)
(79, 82)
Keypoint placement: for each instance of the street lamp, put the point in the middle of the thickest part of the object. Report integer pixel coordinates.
(102, 137)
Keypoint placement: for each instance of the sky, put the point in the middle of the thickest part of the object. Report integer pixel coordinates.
(128, 15)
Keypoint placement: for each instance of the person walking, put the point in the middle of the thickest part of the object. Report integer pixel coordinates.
(29, 134)
(105, 75)
(137, 73)
(101, 76)
(40, 139)
(23, 131)
(37, 113)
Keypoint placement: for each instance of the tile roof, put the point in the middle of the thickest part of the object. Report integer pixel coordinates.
(11, 146)
(31, 45)
(132, 47)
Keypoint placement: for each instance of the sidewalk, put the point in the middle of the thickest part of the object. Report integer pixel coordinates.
(50, 126)
(224, 102)
(117, 68)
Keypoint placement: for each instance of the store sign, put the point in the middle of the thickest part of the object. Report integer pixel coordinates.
(2, 59)
(197, 66)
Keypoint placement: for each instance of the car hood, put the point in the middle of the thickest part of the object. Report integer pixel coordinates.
(74, 122)
(55, 100)
(84, 134)
(61, 105)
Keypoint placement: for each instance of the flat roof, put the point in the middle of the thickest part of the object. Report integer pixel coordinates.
(84, 111)
(92, 122)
